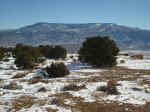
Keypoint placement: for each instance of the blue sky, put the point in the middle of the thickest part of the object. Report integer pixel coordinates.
(18, 13)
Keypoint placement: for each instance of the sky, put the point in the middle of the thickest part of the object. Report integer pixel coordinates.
(18, 13)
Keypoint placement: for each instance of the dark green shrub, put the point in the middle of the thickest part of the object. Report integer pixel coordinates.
(57, 70)
(24, 61)
(58, 52)
(99, 52)
(51, 52)
(45, 50)
(26, 56)
(2, 52)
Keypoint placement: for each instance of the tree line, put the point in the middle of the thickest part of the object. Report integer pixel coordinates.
(26, 56)
(97, 51)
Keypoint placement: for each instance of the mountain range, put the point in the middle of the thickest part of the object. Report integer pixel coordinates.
(74, 34)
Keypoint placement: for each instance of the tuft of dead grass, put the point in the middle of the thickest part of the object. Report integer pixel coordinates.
(73, 87)
(51, 110)
(37, 80)
(19, 75)
(112, 83)
(56, 101)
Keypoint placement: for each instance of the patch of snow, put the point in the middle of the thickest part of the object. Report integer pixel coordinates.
(34, 108)
(4, 108)
(134, 64)
(146, 76)
(89, 70)
(60, 109)
(87, 93)
(128, 95)
(67, 101)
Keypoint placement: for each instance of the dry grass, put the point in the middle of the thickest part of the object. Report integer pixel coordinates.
(97, 95)
(112, 83)
(19, 75)
(51, 110)
(37, 80)
(57, 101)
(61, 97)
(35, 64)
(79, 104)
(22, 102)
(12, 86)
(137, 57)
(73, 87)
(127, 70)
(109, 107)
(110, 88)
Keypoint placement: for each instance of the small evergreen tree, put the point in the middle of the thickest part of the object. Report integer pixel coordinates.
(2, 53)
(53, 52)
(24, 61)
(45, 50)
(26, 56)
(99, 52)
(58, 52)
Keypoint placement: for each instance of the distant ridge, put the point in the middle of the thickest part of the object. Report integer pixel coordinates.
(74, 34)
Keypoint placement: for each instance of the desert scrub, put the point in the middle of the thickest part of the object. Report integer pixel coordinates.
(35, 80)
(22, 102)
(57, 70)
(110, 88)
(19, 75)
(73, 87)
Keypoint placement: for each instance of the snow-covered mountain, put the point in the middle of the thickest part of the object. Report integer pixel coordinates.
(59, 33)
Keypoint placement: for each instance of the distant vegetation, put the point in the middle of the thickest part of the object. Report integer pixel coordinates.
(99, 51)
(1, 53)
(26, 56)
(53, 52)
(4, 52)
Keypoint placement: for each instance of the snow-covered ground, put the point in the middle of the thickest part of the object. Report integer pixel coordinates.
(134, 64)
(130, 91)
